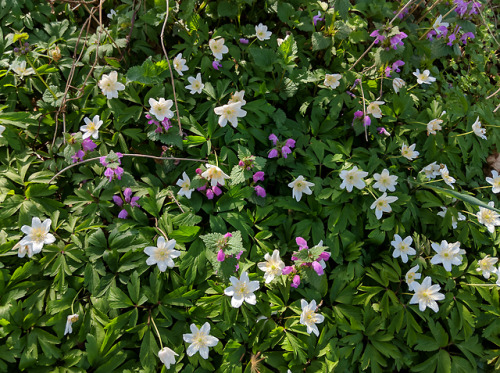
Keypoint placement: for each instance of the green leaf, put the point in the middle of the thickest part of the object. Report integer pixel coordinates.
(118, 299)
(148, 73)
(463, 197)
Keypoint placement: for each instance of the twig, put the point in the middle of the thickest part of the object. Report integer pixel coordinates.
(493, 94)
(175, 200)
(486, 24)
(428, 10)
(170, 69)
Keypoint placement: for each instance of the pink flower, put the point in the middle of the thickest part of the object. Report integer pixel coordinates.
(227, 235)
(290, 143)
(295, 282)
(285, 151)
(217, 190)
(123, 214)
(88, 145)
(367, 121)
(324, 256)
(317, 267)
(273, 138)
(379, 38)
(118, 201)
(258, 176)
(301, 242)
(273, 153)
(221, 256)
(287, 270)
(216, 65)
(261, 192)
(244, 41)
(210, 194)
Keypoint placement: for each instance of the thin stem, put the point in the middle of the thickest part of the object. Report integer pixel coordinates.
(73, 302)
(156, 329)
(40, 77)
(364, 106)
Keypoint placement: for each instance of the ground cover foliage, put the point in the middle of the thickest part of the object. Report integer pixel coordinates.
(330, 178)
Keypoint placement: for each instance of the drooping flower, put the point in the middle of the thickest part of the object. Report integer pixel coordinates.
(91, 127)
(433, 126)
(397, 84)
(445, 174)
(185, 184)
(24, 250)
(378, 36)
(374, 109)
(487, 266)
(426, 295)
(447, 253)
(411, 276)
(20, 69)
(309, 318)
(494, 180)
(425, 77)
(385, 181)
(478, 130)
(262, 33)
(111, 14)
(409, 152)
(230, 113)
(242, 290)
(110, 86)
(162, 254)
(402, 247)
(218, 48)
(216, 65)
(489, 218)
(69, 323)
(273, 266)
(161, 108)
(180, 64)
(167, 356)
(37, 235)
(332, 80)
(299, 186)
(382, 204)
(352, 178)
(214, 174)
(454, 221)
(128, 199)
(200, 340)
(196, 85)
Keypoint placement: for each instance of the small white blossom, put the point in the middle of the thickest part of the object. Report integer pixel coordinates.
(332, 80)
(272, 266)
(309, 318)
(161, 108)
(431, 171)
(196, 85)
(385, 181)
(200, 340)
(185, 184)
(69, 322)
(433, 126)
(426, 295)
(447, 253)
(494, 180)
(262, 33)
(214, 174)
(24, 250)
(167, 356)
(397, 84)
(217, 47)
(2, 128)
(352, 178)
(242, 290)
(402, 247)
(454, 222)
(374, 109)
(21, 70)
(37, 235)
(237, 97)
(111, 14)
(411, 276)
(438, 23)
(425, 77)
(180, 64)
(230, 113)
(299, 186)
(409, 152)
(478, 130)
(382, 204)
(110, 86)
(487, 266)
(445, 174)
(488, 217)
(162, 254)
(91, 127)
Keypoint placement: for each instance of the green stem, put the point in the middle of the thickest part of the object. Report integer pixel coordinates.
(39, 76)
(156, 330)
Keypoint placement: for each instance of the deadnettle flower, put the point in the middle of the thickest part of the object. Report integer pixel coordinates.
(91, 127)
(385, 181)
(494, 180)
(382, 204)
(180, 64)
(317, 18)
(128, 199)
(402, 248)
(196, 85)
(425, 77)
(37, 235)
(332, 80)
(262, 33)
(260, 191)
(200, 340)
(273, 266)
(230, 113)
(454, 221)
(214, 174)
(69, 322)
(162, 254)
(374, 109)
(242, 290)
(161, 108)
(378, 36)
(299, 186)
(426, 295)
(411, 276)
(185, 184)
(448, 254)
(167, 356)
(438, 24)
(110, 86)
(488, 217)
(352, 178)
(397, 84)
(218, 48)
(487, 266)
(433, 126)
(409, 152)
(478, 130)
(397, 40)
(216, 65)
(309, 318)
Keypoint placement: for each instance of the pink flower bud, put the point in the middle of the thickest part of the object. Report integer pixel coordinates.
(295, 282)
(217, 190)
(221, 256)
(238, 256)
(227, 235)
(199, 171)
(241, 163)
(324, 256)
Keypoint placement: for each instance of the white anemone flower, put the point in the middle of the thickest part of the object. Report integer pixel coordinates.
(37, 235)
(214, 174)
(445, 174)
(382, 204)
(478, 130)
(200, 340)
(196, 85)
(402, 247)
(409, 152)
(374, 109)
(217, 47)
(433, 126)
(332, 80)
(447, 254)
(20, 69)
(161, 108)
(242, 290)
(91, 127)
(385, 181)
(110, 85)
(262, 33)
(487, 266)
(180, 64)
(69, 323)
(411, 276)
(424, 77)
(272, 266)
(309, 318)
(432, 170)
(299, 186)
(167, 356)
(426, 295)
(237, 97)
(397, 84)
(2, 128)
(494, 180)
(454, 221)
(162, 254)
(185, 184)
(488, 217)
(230, 113)
(352, 178)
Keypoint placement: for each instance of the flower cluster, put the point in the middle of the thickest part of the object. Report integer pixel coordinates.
(112, 163)
(215, 178)
(279, 147)
(126, 199)
(87, 146)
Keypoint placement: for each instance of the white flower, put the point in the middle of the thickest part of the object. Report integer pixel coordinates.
(237, 97)
(91, 127)
(494, 181)
(272, 266)
(241, 290)
(214, 174)
(217, 47)
(425, 77)
(402, 247)
(385, 181)
(185, 184)
(69, 322)
(448, 254)
(161, 108)
(487, 266)
(478, 130)
(262, 33)
(110, 86)
(309, 318)
(299, 186)
(488, 217)
(24, 250)
(167, 356)
(162, 254)
(21, 70)
(352, 178)
(111, 14)
(433, 126)
(426, 295)
(438, 23)
(397, 84)
(432, 170)
(230, 113)
(411, 276)
(180, 64)
(196, 85)
(200, 340)
(382, 204)
(2, 128)
(332, 80)
(454, 221)
(409, 152)
(37, 235)
(445, 174)
(374, 109)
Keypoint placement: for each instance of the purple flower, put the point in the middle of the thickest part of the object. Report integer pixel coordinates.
(202, 188)
(243, 41)
(118, 201)
(324, 256)
(295, 282)
(217, 190)
(290, 143)
(241, 163)
(350, 94)
(317, 267)
(285, 150)
(396, 65)
(261, 192)
(388, 72)
(258, 176)
(238, 256)
(78, 156)
(287, 270)
(88, 145)
(379, 38)
(109, 173)
(451, 39)
(383, 131)
(119, 173)
(358, 114)
(356, 82)
(133, 202)
(302, 243)
(123, 214)
(466, 36)
(367, 121)
(221, 256)
(431, 34)
(273, 138)
(317, 18)
(273, 153)
(397, 40)
(227, 235)
(210, 194)
(216, 65)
